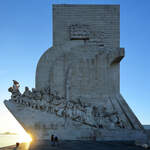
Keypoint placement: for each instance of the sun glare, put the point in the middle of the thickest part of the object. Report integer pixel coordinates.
(25, 138)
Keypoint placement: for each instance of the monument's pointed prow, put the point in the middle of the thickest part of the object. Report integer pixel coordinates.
(77, 94)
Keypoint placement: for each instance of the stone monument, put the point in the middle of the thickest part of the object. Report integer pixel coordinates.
(77, 92)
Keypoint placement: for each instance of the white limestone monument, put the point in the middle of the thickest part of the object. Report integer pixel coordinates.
(77, 92)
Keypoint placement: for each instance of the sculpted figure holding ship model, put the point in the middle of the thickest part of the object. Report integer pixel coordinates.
(15, 90)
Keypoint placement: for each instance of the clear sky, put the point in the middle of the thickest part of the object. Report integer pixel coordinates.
(26, 32)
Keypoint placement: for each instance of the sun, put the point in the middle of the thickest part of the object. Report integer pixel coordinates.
(25, 138)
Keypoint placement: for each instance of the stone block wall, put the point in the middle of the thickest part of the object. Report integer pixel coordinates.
(102, 21)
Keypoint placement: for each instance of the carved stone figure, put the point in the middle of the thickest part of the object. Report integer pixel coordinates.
(15, 85)
(45, 93)
(15, 90)
(36, 94)
(27, 93)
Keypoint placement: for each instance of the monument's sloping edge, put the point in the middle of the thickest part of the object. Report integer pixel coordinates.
(41, 125)
(135, 121)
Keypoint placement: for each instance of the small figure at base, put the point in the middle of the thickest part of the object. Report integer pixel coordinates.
(52, 140)
(56, 141)
(17, 146)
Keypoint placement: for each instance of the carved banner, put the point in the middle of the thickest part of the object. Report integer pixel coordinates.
(79, 32)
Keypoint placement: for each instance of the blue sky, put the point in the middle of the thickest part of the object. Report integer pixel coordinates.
(26, 32)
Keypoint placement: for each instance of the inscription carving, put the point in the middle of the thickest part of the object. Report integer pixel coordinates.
(83, 32)
(79, 32)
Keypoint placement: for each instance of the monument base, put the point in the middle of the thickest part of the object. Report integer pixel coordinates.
(41, 125)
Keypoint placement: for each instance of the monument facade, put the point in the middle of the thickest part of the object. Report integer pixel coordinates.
(77, 92)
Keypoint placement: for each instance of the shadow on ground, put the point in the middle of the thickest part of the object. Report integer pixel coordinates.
(77, 145)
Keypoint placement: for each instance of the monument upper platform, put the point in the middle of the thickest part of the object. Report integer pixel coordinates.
(96, 24)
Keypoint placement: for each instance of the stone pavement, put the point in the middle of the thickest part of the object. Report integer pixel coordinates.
(81, 145)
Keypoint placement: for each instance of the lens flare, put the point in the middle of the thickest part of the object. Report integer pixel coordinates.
(25, 138)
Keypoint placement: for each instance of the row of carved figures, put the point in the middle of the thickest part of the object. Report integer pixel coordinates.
(85, 113)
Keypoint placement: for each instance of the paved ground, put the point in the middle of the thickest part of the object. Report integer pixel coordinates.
(79, 145)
